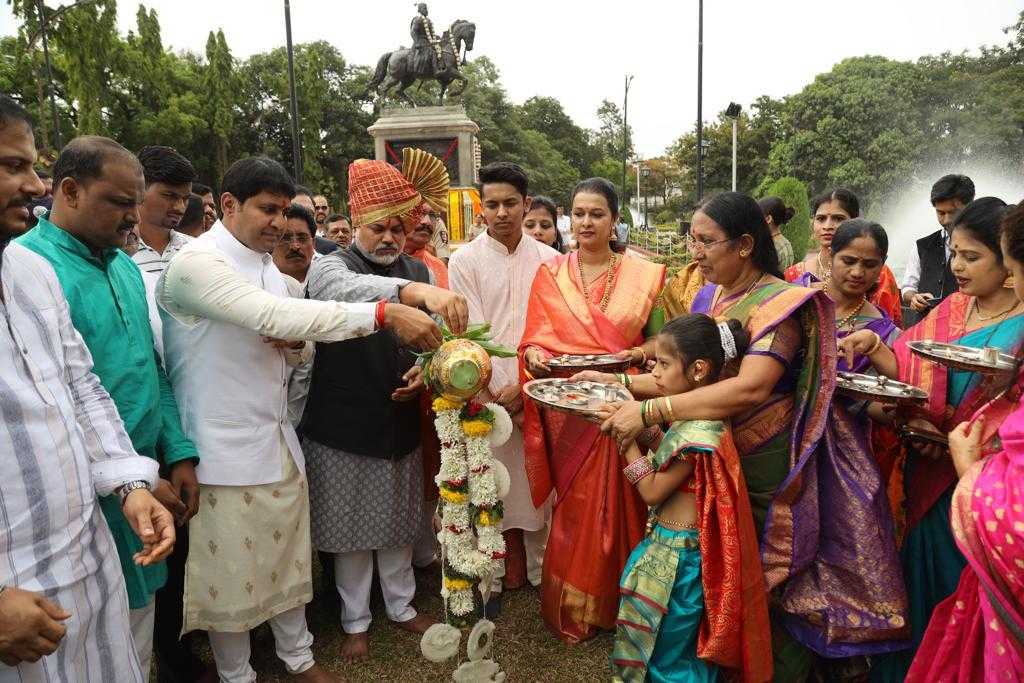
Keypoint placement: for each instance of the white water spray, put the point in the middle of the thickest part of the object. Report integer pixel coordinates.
(908, 215)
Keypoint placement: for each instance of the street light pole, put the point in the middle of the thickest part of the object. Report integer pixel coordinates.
(49, 77)
(296, 147)
(734, 122)
(625, 137)
(733, 112)
(646, 173)
(700, 100)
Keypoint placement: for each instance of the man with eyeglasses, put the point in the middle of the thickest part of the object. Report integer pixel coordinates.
(321, 210)
(294, 253)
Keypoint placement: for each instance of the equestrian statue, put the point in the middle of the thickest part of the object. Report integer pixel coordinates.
(429, 59)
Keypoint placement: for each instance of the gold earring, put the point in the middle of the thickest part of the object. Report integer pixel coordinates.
(1008, 282)
(744, 254)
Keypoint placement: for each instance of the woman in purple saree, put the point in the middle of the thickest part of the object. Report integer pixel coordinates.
(826, 533)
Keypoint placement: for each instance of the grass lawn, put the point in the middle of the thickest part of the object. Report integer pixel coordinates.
(523, 646)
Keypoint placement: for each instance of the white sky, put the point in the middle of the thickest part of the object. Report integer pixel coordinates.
(580, 51)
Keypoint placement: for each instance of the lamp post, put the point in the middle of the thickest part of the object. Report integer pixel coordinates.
(700, 100)
(646, 173)
(636, 169)
(49, 77)
(625, 136)
(296, 147)
(733, 112)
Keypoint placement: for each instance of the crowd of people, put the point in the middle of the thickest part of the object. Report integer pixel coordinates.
(207, 394)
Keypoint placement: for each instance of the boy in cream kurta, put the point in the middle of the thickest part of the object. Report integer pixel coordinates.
(495, 273)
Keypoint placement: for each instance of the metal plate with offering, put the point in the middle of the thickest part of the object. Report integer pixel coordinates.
(987, 360)
(879, 388)
(578, 398)
(567, 365)
(911, 434)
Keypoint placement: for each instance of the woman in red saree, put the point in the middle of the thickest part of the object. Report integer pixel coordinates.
(591, 301)
(977, 634)
(828, 210)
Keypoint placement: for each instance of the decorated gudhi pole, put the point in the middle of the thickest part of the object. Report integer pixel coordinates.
(472, 483)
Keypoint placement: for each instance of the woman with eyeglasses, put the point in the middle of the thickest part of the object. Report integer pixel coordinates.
(801, 475)
(828, 210)
(590, 301)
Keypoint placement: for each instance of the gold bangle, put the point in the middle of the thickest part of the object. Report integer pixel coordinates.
(878, 342)
(668, 407)
(643, 355)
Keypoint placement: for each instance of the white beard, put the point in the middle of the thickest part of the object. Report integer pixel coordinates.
(386, 260)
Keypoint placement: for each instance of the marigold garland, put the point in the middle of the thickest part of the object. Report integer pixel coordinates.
(470, 511)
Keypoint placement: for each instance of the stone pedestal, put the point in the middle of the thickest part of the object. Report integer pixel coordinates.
(446, 132)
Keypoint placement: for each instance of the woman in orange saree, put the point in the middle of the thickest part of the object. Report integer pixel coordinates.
(579, 307)
(828, 210)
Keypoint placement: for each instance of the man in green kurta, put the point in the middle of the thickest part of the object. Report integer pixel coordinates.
(98, 186)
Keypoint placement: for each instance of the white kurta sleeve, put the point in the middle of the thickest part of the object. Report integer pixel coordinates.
(203, 284)
(912, 275)
(112, 458)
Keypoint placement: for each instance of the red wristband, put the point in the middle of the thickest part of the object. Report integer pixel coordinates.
(378, 316)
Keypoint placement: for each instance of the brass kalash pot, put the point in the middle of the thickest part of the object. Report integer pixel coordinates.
(460, 369)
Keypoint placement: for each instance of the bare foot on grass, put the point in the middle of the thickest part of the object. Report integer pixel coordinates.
(418, 624)
(355, 647)
(315, 674)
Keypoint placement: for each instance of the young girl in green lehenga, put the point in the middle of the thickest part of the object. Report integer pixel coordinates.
(692, 593)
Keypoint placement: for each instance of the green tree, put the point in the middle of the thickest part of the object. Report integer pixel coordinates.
(87, 46)
(545, 115)
(798, 229)
(858, 126)
(219, 86)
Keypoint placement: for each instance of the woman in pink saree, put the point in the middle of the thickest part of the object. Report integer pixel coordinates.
(977, 634)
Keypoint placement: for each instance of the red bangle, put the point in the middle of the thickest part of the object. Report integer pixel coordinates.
(378, 316)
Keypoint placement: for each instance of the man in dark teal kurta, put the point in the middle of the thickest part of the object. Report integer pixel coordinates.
(97, 188)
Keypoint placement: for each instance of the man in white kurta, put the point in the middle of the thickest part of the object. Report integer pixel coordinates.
(232, 335)
(495, 273)
(62, 444)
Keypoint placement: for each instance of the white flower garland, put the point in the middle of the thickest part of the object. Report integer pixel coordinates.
(472, 547)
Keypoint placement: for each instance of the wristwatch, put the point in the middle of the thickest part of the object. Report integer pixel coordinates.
(125, 489)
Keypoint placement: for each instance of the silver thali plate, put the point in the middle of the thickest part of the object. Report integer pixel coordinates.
(986, 360)
(578, 398)
(911, 434)
(879, 388)
(567, 365)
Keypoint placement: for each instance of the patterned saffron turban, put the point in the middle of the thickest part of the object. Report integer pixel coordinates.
(378, 192)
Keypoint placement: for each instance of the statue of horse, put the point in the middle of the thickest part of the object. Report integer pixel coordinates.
(396, 68)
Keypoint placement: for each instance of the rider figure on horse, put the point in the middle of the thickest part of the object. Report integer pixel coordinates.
(426, 46)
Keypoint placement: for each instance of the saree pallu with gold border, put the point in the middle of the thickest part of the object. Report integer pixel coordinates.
(597, 517)
(827, 543)
(733, 632)
(977, 634)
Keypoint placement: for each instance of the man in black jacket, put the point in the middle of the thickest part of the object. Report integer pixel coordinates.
(928, 279)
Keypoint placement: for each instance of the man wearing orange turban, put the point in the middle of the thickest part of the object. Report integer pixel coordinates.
(363, 428)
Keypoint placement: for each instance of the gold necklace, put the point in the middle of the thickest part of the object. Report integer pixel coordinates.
(607, 284)
(719, 290)
(825, 271)
(978, 314)
(849, 320)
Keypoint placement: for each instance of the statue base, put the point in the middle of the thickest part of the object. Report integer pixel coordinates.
(446, 132)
